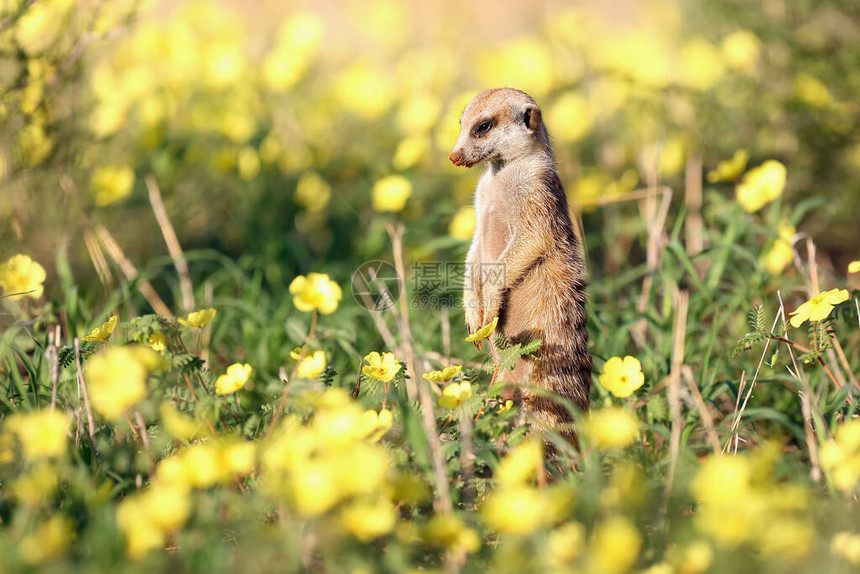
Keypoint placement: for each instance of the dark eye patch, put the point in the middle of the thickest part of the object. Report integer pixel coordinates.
(483, 127)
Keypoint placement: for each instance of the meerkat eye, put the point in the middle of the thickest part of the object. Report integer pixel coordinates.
(484, 127)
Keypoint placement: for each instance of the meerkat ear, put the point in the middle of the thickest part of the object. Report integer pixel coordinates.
(531, 117)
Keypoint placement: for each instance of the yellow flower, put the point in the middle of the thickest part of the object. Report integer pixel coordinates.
(451, 532)
(812, 91)
(761, 185)
(390, 193)
(462, 225)
(701, 64)
(455, 394)
(117, 378)
(248, 163)
(840, 458)
(198, 319)
(847, 545)
(41, 434)
(515, 510)
(381, 367)
(409, 152)
(103, 331)
(506, 407)
(316, 291)
(445, 374)
(178, 425)
(818, 307)
(311, 367)
(157, 342)
(622, 376)
(741, 50)
(22, 277)
(484, 332)
(367, 520)
(50, 540)
(312, 191)
(854, 267)
(418, 114)
(616, 545)
(612, 428)
(234, 379)
(147, 516)
(521, 465)
(570, 117)
(779, 257)
(111, 183)
(564, 545)
(374, 425)
(730, 170)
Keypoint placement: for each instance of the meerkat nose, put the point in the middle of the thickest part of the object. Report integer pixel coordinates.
(456, 158)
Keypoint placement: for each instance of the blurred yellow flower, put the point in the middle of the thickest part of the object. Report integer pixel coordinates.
(111, 183)
(147, 516)
(22, 277)
(641, 54)
(410, 151)
(443, 375)
(314, 487)
(381, 367)
(616, 545)
(103, 331)
(248, 163)
(779, 257)
(176, 424)
(812, 91)
(315, 292)
(611, 428)
(818, 307)
(506, 407)
(310, 367)
(50, 541)
(564, 545)
(484, 332)
(374, 425)
(524, 62)
(234, 379)
(390, 193)
(455, 394)
(289, 60)
(761, 185)
(840, 457)
(369, 519)
(672, 155)
(198, 319)
(463, 223)
(730, 170)
(787, 538)
(570, 117)
(696, 557)
(418, 114)
(117, 378)
(741, 51)
(515, 510)
(41, 434)
(157, 342)
(312, 191)
(854, 267)
(521, 465)
(701, 64)
(450, 532)
(622, 376)
(37, 29)
(365, 90)
(847, 545)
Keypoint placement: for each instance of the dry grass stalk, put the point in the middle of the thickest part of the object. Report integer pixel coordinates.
(130, 271)
(680, 333)
(82, 385)
(172, 242)
(704, 412)
(694, 225)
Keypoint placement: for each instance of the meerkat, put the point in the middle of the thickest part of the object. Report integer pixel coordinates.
(526, 263)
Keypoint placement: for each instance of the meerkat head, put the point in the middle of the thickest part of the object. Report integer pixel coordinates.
(499, 125)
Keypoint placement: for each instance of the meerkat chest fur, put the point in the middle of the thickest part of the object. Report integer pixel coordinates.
(526, 260)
